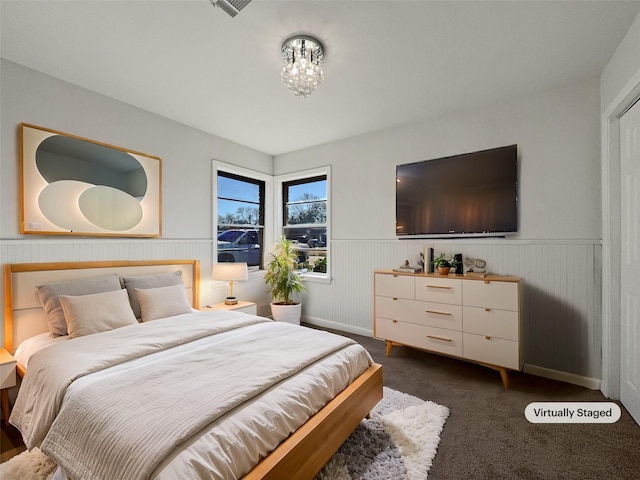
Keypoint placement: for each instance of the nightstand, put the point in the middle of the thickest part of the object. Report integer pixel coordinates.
(246, 307)
(7, 380)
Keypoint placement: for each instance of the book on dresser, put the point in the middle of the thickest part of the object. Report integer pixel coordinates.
(472, 318)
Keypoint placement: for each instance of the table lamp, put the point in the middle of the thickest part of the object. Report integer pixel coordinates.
(230, 272)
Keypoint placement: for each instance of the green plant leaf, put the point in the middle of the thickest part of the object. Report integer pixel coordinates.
(281, 276)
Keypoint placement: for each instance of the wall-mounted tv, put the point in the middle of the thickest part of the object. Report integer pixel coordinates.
(473, 194)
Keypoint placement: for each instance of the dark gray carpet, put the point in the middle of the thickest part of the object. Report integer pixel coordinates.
(487, 436)
(372, 442)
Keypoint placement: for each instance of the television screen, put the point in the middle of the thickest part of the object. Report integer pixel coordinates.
(473, 194)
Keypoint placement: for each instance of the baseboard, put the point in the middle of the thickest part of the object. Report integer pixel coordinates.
(318, 322)
(587, 382)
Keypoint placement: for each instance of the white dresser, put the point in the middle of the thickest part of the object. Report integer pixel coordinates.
(476, 319)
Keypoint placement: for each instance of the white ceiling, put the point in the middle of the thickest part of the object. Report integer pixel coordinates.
(387, 63)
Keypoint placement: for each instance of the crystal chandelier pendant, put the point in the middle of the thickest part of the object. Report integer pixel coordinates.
(302, 64)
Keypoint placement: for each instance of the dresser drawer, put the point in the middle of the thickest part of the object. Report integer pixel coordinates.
(439, 290)
(491, 350)
(399, 286)
(430, 338)
(394, 308)
(491, 294)
(438, 315)
(491, 321)
(441, 315)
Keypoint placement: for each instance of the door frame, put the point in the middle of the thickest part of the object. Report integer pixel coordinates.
(611, 236)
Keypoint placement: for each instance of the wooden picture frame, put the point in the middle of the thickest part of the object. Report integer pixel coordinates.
(77, 186)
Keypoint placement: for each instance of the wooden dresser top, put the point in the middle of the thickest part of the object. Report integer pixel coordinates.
(487, 278)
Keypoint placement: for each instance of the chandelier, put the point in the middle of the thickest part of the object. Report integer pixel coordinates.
(302, 64)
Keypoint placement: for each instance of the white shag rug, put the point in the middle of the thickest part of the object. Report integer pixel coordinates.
(33, 465)
(398, 442)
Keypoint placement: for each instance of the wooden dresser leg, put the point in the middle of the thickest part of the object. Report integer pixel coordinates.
(388, 350)
(505, 377)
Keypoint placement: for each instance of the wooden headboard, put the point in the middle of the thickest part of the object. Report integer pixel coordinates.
(23, 313)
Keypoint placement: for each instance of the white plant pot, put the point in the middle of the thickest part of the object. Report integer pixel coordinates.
(287, 313)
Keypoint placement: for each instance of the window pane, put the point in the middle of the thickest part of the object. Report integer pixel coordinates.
(240, 204)
(238, 189)
(231, 212)
(314, 237)
(305, 211)
(240, 246)
(313, 189)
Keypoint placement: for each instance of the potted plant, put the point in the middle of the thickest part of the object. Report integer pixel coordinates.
(283, 281)
(444, 264)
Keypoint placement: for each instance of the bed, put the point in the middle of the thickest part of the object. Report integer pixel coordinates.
(244, 416)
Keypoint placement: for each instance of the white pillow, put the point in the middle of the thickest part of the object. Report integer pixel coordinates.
(162, 302)
(50, 292)
(97, 312)
(155, 280)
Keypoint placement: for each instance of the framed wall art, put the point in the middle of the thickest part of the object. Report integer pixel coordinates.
(76, 186)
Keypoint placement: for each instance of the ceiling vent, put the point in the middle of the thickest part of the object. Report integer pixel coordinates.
(232, 7)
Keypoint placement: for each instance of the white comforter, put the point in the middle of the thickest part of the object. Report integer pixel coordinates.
(193, 372)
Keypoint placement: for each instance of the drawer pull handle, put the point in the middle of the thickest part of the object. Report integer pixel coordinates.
(439, 286)
(395, 298)
(487, 309)
(439, 338)
(487, 337)
(487, 282)
(394, 321)
(437, 313)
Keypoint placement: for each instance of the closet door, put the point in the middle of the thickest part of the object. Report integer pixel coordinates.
(630, 261)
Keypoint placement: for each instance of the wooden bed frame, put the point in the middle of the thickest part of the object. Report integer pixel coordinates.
(299, 457)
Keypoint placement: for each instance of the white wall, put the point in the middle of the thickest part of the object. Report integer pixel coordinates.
(31, 97)
(557, 250)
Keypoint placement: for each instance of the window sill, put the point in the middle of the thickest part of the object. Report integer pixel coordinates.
(306, 276)
(315, 278)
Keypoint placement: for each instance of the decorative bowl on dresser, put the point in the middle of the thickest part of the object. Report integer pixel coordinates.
(471, 318)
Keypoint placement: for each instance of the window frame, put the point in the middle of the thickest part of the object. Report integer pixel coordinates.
(302, 175)
(268, 235)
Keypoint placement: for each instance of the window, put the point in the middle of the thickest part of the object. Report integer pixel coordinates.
(240, 208)
(251, 212)
(305, 219)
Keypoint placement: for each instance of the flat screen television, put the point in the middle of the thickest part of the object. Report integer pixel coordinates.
(473, 194)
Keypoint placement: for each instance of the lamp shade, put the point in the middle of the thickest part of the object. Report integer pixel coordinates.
(230, 271)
